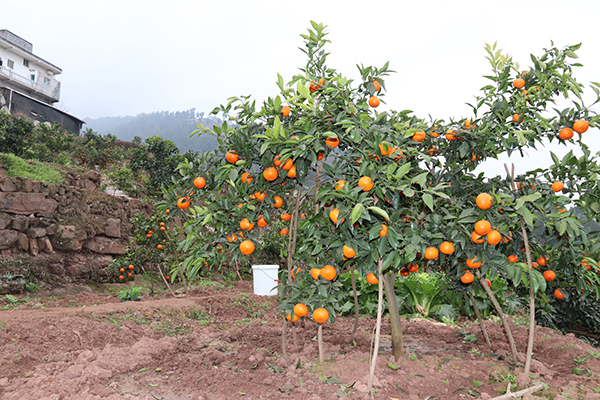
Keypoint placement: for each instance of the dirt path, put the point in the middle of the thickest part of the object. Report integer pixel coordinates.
(225, 343)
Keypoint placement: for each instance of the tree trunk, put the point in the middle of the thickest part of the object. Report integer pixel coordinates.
(377, 329)
(355, 299)
(476, 309)
(284, 338)
(389, 279)
(320, 341)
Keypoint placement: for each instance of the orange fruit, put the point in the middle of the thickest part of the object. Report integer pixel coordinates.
(489, 283)
(247, 247)
(549, 275)
(183, 203)
(121, 277)
(377, 85)
(167, 211)
(519, 83)
(200, 182)
(348, 251)
(320, 156)
(162, 228)
(284, 232)
(476, 238)
(414, 268)
(159, 246)
(404, 272)
(270, 174)
(333, 215)
(278, 202)
(451, 135)
(419, 136)
(383, 146)
(483, 227)
(516, 118)
(558, 294)
(328, 272)
(260, 196)
(471, 263)
(131, 266)
(300, 310)
(565, 133)
(383, 230)
(372, 279)
(232, 157)
(320, 315)
(581, 126)
(277, 161)
(285, 110)
(557, 186)
(332, 142)
(484, 201)
(513, 259)
(167, 277)
(286, 217)
(494, 237)
(122, 270)
(431, 253)
(432, 150)
(289, 317)
(447, 247)
(315, 273)
(543, 261)
(292, 172)
(374, 101)
(288, 164)
(366, 183)
(340, 184)
(129, 274)
(245, 224)
(261, 221)
(467, 278)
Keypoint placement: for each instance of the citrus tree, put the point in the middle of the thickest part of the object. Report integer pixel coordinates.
(388, 192)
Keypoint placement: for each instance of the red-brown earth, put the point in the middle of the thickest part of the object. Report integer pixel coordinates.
(223, 342)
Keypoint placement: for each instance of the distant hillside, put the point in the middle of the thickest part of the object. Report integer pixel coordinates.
(175, 126)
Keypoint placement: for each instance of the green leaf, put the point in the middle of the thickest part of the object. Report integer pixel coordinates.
(392, 365)
(357, 212)
(428, 200)
(527, 216)
(379, 211)
(403, 170)
(477, 383)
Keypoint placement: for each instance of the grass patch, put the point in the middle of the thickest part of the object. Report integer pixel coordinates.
(38, 171)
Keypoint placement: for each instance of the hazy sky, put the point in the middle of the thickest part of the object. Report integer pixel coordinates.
(124, 57)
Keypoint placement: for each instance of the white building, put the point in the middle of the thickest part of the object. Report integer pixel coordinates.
(28, 85)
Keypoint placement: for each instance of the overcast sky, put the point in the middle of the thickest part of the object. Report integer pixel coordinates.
(124, 57)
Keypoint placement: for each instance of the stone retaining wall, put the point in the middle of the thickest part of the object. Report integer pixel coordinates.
(60, 233)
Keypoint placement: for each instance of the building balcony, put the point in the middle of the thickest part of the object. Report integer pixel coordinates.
(43, 87)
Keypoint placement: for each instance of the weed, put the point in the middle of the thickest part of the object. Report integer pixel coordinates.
(31, 287)
(170, 328)
(581, 360)
(595, 354)
(199, 316)
(11, 299)
(131, 294)
(1, 325)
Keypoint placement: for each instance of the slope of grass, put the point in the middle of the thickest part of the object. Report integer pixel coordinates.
(16, 166)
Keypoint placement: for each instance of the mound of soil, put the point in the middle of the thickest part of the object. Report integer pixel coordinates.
(225, 343)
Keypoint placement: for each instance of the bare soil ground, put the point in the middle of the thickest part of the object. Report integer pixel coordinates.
(225, 343)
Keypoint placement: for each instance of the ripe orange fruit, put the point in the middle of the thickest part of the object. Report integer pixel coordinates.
(159, 246)
(121, 277)
(404, 272)
(167, 211)
(286, 217)
(366, 183)
(383, 230)
(581, 126)
(348, 252)
(314, 86)
(494, 237)
(519, 83)
(372, 279)
(270, 174)
(565, 133)
(162, 228)
(167, 277)
(431, 253)
(558, 294)
(484, 201)
(489, 283)
(483, 227)
(284, 232)
(285, 110)
(122, 270)
(183, 203)
(247, 247)
(374, 101)
(315, 273)
(333, 215)
(467, 278)
(288, 164)
(292, 172)
(320, 156)
(557, 186)
(414, 268)
(419, 136)
(131, 266)
(340, 184)
(245, 224)
(289, 317)
(377, 85)
(471, 263)
(447, 247)
(278, 202)
(476, 238)
(232, 157)
(513, 259)
(451, 135)
(300, 310)
(277, 161)
(332, 142)
(383, 146)
(432, 150)
(543, 261)
(200, 182)
(129, 274)
(320, 315)
(328, 272)
(549, 275)
(260, 196)
(516, 118)
(261, 221)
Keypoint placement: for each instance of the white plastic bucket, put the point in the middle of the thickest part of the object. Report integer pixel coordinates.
(265, 279)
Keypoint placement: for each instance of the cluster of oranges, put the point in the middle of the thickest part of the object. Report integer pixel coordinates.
(129, 271)
(184, 202)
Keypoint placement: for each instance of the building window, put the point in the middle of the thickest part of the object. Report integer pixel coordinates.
(46, 81)
(10, 64)
(26, 62)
